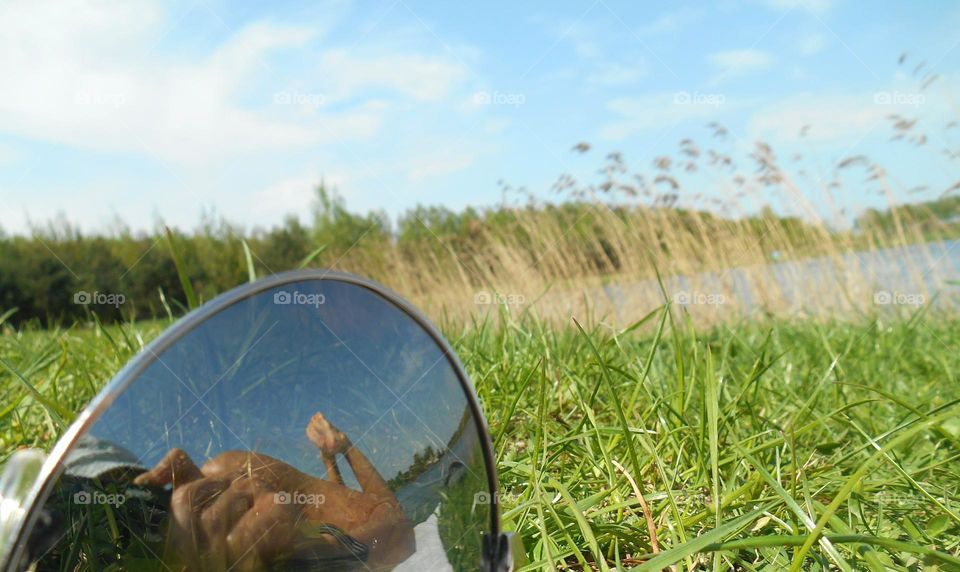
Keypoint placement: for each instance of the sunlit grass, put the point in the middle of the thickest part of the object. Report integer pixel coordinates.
(847, 429)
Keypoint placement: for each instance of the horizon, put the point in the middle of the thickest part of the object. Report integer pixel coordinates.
(117, 227)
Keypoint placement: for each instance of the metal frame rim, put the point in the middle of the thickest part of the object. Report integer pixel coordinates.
(122, 379)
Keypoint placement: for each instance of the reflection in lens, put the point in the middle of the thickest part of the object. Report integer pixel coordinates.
(313, 425)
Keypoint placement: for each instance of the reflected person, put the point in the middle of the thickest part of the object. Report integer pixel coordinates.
(243, 510)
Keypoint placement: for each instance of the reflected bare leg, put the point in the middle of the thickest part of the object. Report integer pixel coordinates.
(385, 527)
(330, 441)
(175, 468)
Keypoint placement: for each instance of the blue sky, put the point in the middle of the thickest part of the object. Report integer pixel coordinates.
(151, 111)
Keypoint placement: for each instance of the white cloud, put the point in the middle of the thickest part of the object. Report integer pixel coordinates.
(290, 196)
(293, 196)
(661, 111)
(671, 21)
(87, 81)
(441, 163)
(88, 74)
(825, 117)
(738, 62)
(847, 117)
(423, 78)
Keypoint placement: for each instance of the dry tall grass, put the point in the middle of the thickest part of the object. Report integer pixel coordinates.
(604, 261)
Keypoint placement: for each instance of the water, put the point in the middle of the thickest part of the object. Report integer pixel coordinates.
(893, 278)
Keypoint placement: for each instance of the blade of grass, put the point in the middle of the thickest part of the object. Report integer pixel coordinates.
(852, 481)
(792, 504)
(712, 399)
(618, 407)
(57, 413)
(310, 257)
(248, 258)
(951, 562)
(181, 271)
(585, 528)
(698, 544)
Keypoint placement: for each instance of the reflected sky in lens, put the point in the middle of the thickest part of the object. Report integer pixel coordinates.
(251, 377)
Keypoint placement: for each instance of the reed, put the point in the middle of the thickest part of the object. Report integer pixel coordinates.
(604, 244)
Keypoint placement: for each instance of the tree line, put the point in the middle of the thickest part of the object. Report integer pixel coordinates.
(58, 274)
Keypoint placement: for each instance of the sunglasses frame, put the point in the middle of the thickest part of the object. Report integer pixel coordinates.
(493, 557)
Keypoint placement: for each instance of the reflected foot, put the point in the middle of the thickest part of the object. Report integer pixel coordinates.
(175, 469)
(326, 436)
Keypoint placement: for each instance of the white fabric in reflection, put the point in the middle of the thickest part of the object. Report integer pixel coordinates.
(430, 554)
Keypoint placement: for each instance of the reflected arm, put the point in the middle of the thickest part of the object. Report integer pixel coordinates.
(333, 471)
(370, 480)
(331, 441)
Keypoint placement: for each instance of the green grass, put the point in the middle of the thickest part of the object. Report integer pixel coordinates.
(757, 446)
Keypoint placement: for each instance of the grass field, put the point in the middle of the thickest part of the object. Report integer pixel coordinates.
(719, 431)
(752, 446)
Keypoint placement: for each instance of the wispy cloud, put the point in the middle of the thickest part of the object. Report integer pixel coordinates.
(292, 196)
(672, 21)
(443, 162)
(847, 117)
(817, 117)
(661, 112)
(733, 63)
(285, 197)
(421, 77)
(88, 82)
(92, 80)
